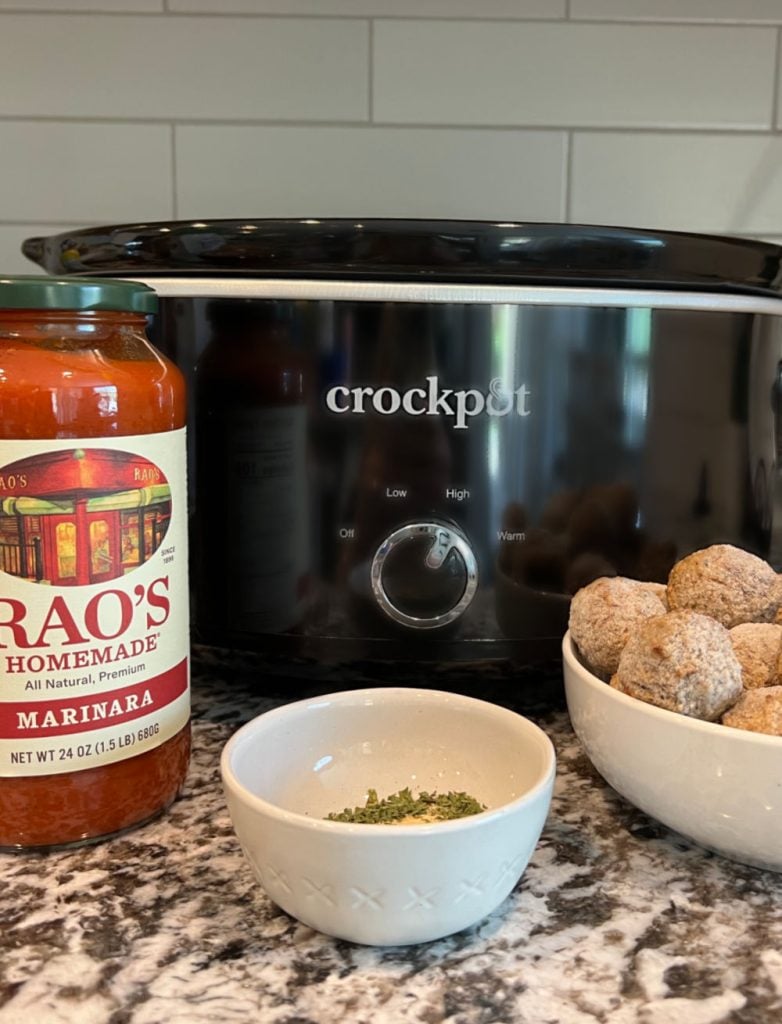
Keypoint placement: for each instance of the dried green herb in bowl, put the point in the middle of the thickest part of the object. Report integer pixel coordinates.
(403, 808)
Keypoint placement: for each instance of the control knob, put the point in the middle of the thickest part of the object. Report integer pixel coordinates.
(424, 575)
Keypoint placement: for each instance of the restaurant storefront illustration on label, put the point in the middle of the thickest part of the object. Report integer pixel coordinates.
(81, 516)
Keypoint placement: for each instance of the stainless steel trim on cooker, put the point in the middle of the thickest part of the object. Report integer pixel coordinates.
(444, 538)
(394, 291)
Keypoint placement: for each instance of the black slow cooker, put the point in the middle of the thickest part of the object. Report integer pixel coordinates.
(412, 441)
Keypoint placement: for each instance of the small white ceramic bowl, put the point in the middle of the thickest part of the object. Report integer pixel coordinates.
(718, 786)
(286, 770)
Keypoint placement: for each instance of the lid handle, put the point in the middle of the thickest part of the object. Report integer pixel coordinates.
(33, 249)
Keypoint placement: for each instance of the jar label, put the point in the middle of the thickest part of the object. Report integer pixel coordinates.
(94, 638)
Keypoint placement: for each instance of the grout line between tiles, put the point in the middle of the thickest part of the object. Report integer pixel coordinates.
(467, 19)
(721, 131)
(371, 69)
(152, 121)
(276, 16)
(776, 83)
(174, 195)
(49, 11)
(568, 182)
(53, 222)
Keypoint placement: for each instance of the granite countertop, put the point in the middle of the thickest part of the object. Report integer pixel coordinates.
(615, 920)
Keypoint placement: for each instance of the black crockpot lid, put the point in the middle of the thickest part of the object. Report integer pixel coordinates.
(418, 250)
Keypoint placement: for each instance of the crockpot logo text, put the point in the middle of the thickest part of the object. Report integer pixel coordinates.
(432, 401)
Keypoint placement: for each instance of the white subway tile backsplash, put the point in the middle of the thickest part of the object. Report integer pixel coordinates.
(85, 172)
(150, 67)
(650, 112)
(11, 237)
(572, 74)
(380, 8)
(710, 183)
(735, 11)
(369, 172)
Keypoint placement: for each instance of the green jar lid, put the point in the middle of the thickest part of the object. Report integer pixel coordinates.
(76, 293)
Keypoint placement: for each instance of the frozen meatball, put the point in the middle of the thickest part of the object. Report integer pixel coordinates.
(730, 585)
(615, 683)
(757, 710)
(778, 616)
(684, 662)
(757, 646)
(604, 614)
(659, 590)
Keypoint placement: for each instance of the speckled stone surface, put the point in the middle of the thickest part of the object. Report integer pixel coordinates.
(616, 920)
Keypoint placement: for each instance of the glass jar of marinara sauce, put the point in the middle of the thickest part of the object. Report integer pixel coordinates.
(94, 669)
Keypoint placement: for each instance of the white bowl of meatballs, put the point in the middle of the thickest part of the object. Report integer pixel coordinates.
(675, 693)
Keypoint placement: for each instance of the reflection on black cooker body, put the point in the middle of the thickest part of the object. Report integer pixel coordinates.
(559, 443)
(252, 554)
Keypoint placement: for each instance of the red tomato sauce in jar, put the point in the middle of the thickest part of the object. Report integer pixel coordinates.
(94, 671)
